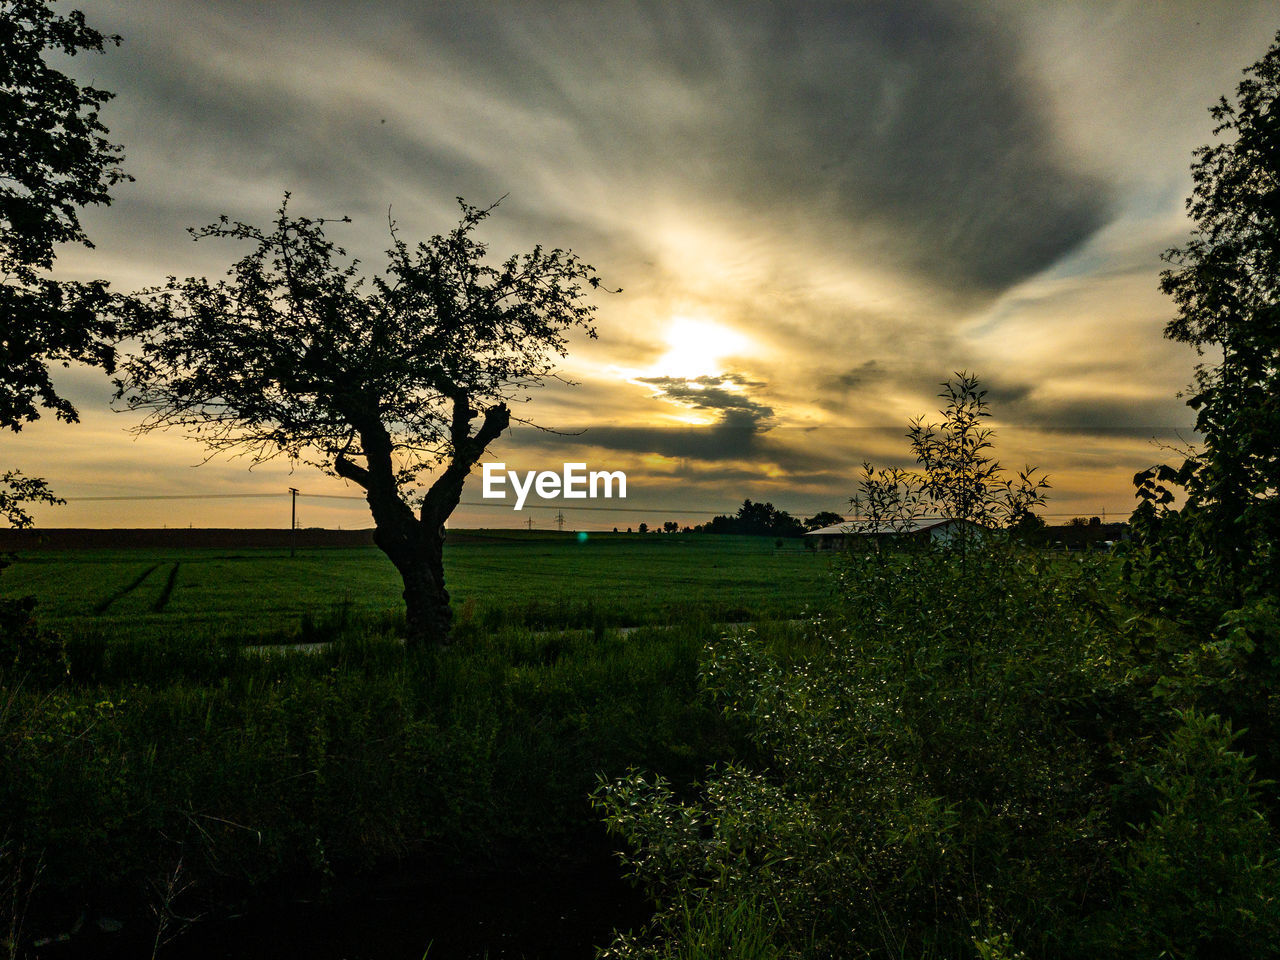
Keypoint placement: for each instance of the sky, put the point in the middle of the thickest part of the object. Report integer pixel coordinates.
(816, 213)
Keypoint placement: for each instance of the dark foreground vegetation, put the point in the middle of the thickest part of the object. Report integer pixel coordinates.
(155, 782)
(986, 750)
(993, 756)
(983, 755)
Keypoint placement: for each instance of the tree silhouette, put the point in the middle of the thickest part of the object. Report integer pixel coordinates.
(379, 381)
(1225, 281)
(956, 477)
(824, 518)
(54, 159)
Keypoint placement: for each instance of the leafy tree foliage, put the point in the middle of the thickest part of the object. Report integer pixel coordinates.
(1085, 522)
(1200, 876)
(54, 159)
(27, 653)
(1206, 552)
(756, 519)
(1225, 281)
(824, 518)
(929, 764)
(955, 478)
(17, 491)
(378, 381)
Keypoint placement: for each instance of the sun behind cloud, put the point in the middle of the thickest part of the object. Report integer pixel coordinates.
(697, 348)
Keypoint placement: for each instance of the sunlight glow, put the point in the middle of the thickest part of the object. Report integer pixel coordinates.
(696, 348)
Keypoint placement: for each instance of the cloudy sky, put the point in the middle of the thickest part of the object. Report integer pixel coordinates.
(816, 212)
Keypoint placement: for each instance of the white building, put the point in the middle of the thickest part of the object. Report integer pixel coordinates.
(934, 529)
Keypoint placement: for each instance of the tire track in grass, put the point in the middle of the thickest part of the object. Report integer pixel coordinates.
(167, 591)
(102, 605)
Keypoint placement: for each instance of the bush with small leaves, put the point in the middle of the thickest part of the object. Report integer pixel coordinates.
(1202, 875)
(28, 654)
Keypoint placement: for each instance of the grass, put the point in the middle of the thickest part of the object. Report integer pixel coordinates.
(167, 749)
(502, 579)
(166, 746)
(288, 771)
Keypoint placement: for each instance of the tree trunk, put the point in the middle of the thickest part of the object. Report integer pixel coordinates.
(415, 544)
(415, 548)
(418, 556)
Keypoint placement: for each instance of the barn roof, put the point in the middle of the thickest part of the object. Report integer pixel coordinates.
(856, 527)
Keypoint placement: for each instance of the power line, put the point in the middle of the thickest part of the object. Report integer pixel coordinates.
(178, 496)
(483, 504)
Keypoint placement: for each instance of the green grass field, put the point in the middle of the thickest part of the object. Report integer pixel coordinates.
(157, 738)
(496, 579)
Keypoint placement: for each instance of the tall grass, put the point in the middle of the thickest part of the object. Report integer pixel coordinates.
(253, 768)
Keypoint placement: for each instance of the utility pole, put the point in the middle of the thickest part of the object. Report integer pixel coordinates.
(530, 522)
(293, 522)
(560, 520)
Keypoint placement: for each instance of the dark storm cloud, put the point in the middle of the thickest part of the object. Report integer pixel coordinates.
(1021, 406)
(1002, 394)
(907, 120)
(903, 125)
(743, 430)
(735, 436)
(1024, 405)
(747, 479)
(1107, 416)
(710, 393)
(196, 119)
(866, 372)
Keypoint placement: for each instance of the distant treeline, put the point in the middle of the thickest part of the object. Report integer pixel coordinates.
(755, 519)
(71, 538)
(752, 519)
(1079, 534)
(765, 520)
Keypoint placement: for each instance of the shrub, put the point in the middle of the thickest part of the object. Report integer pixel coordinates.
(934, 766)
(935, 771)
(963, 765)
(27, 653)
(1200, 877)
